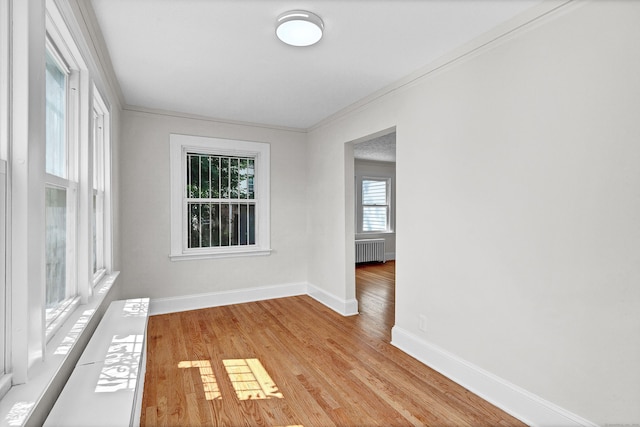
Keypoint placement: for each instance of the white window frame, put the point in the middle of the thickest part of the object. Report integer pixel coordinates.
(100, 135)
(178, 147)
(66, 62)
(5, 118)
(4, 380)
(387, 182)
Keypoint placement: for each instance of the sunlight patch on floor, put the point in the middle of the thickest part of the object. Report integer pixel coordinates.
(209, 383)
(250, 380)
(248, 377)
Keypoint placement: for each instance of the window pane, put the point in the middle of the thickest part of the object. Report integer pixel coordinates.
(193, 176)
(212, 223)
(194, 225)
(205, 177)
(56, 81)
(98, 216)
(374, 192)
(224, 178)
(250, 177)
(56, 246)
(205, 225)
(225, 234)
(215, 177)
(215, 226)
(221, 224)
(242, 179)
(243, 224)
(98, 150)
(374, 218)
(94, 233)
(233, 177)
(252, 224)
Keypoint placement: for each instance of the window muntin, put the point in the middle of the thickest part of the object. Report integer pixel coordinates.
(375, 205)
(220, 197)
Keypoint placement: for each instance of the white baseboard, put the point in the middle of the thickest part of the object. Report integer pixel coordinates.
(390, 256)
(215, 299)
(526, 406)
(341, 306)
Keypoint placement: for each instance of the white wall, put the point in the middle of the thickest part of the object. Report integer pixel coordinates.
(144, 170)
(527, 213)
(376, 169)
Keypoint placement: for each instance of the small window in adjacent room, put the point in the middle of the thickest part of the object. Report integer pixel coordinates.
(220, 197)
(375, 204)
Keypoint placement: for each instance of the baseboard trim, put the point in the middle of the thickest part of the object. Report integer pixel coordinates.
(527, 407)
(341, 306)
(216, 299)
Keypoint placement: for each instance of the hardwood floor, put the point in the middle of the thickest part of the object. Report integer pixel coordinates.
(295, 362)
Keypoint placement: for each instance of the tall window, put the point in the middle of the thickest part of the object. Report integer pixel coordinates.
(220, 197)
(100, 123)
(375, 204)
(5, 115)
(60, 187)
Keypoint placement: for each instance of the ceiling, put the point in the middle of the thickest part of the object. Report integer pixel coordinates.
(221, 59)
(380, 149)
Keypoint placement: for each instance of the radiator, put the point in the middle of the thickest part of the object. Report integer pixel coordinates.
(368, 250)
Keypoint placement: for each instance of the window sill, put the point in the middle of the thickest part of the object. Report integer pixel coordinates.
(47, 378)
(226, 254)
(372, 233)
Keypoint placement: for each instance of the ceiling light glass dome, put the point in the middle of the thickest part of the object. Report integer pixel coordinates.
(299, 28)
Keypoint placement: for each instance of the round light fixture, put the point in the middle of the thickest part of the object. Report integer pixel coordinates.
(299, 28)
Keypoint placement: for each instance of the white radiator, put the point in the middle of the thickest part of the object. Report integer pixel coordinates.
(368, 250)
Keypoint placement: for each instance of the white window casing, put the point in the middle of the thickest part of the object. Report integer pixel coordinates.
(180, 145)
(375, 205)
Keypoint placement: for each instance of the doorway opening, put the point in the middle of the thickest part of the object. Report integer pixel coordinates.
(374, 167)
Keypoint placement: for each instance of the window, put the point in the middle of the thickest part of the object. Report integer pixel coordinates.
(99, 157)
(5, 118)
(220, 201)
(220, 197)
(3, 236)
(46, 198)
(375, 204)
(60, 185)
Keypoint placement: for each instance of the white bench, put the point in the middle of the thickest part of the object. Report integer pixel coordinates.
(105, 387)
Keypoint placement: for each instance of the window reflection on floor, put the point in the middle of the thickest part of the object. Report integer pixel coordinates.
(250, 380)
(248, 377)
(209, 384)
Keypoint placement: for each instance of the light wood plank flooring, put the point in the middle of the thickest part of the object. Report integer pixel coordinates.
(294, 362)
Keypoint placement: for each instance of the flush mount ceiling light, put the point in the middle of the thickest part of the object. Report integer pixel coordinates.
(299, 28)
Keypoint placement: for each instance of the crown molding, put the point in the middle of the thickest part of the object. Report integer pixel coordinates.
(548, 9)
